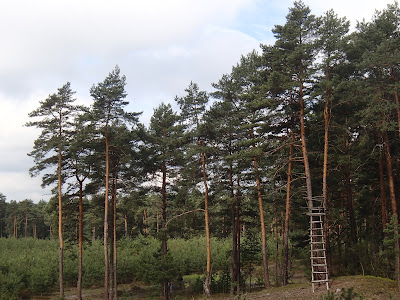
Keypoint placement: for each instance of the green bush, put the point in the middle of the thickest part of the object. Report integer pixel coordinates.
(27, 266)
(30, 266)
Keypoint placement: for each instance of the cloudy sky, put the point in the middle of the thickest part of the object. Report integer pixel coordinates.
(160, 45)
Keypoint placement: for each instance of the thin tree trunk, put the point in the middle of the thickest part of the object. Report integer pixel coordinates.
(384, 210)
(80, 258)
(234, 234)
(60, 224)
(327, 119)
(207, 282)
(285, 256)
(238, 204)
(396, 97)
(394, 206)
(15, 227)
(115, 284)
(34, 231)
(263, 237)
(126, 225)
(26, 225)
(276, 251)
(105, 240)
(164, 246)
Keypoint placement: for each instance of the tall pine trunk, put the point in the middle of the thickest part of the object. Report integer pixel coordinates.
(60, 227)
(207, 282)
(327, 119)
(238, 204)
(164, 246)
(234, 233)
(285, 256)
(304, 143)
(80, 246)
(105, 240)
(394, 206)
(383, 197)
(262, 223)
(114, 196)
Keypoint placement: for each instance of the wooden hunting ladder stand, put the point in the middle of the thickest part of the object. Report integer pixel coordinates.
(319, 268)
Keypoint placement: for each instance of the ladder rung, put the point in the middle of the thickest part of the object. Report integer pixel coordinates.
(317, 235)
(320, 272)
(316, 250)
(318, 257)
(321, 280)
(319, 265)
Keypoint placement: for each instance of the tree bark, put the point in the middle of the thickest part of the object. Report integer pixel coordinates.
(285, 256)
(263, 237)
(207, 282)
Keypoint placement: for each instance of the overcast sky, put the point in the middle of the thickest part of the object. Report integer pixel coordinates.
(160, 45)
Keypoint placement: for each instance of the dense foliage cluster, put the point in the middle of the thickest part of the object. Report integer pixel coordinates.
(317, 113)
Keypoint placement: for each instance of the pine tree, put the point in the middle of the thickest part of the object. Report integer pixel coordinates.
(108, 110)
(192, 107)
(55, 113)
(165, 137)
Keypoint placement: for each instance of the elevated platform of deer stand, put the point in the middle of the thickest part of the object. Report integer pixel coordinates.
(319, 268)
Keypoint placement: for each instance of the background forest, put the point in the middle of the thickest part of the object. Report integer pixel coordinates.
(219, 187)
